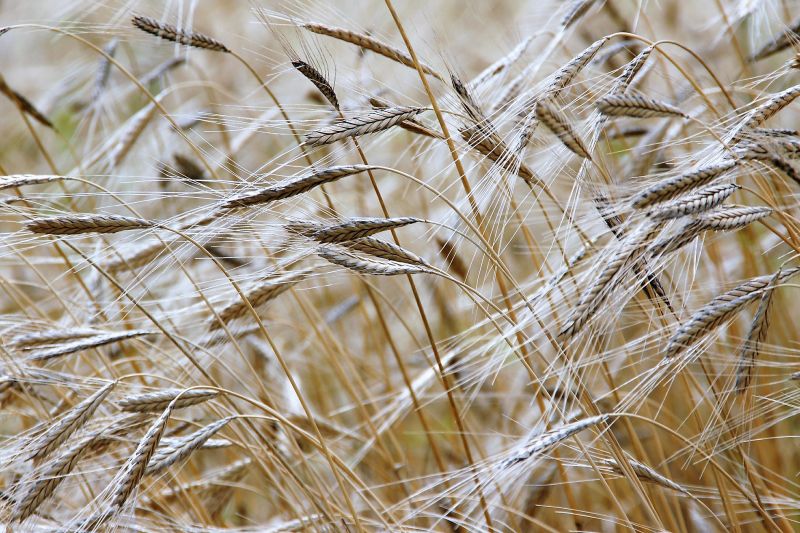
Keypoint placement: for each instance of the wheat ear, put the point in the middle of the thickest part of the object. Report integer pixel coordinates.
(180, 449)
(715, 312)
(384, 250)
(782, 41)
(132, 472)
(548, 115)
(159, 400)
(645, 473)
(364, 265)
(367, 42)
(725, 219)
(549, 439)
(591, 299)
(372, 122)
(61, 430)
(23, 104)
(258, 296)
(575, 11)
(162, 69)
(358, 227)
(566, 74)
(293, 187)
(27, 341)
(622, 105)
(765, 111)
(631, 70)
(78, 224)
(20, 180)
(171, 33)
(318, 80)
(673, 187)
(756, 334)
(85, 344)
(702, 200)
(49, 477)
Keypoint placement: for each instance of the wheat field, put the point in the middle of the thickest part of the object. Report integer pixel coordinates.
(399, 266)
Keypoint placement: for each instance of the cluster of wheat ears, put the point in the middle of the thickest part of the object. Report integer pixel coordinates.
(262, 287)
